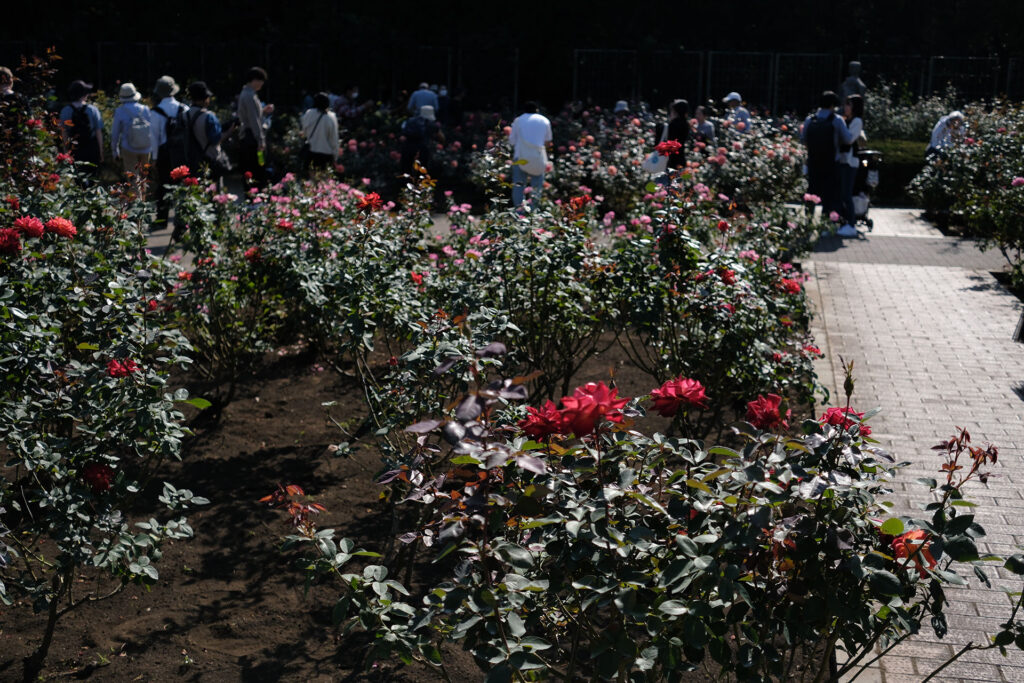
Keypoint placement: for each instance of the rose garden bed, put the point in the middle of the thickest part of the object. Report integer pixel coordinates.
(341, 441)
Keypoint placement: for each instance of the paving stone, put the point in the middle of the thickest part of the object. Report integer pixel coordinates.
(929, 331)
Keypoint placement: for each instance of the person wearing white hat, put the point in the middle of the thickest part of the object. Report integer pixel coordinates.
(738, 113)
(131, 134)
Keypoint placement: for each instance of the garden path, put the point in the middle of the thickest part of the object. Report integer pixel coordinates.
(929, 331)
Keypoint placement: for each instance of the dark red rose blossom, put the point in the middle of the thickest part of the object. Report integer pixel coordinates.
(677, 393)
(180, 172)
(190, 181)
(543, 422)
(728, 276)
(10, 241)
(668, 147)
(285, 225)
(32, 227)
(763, 413)
(840, 417)
(589, 405)
(64, 158)
(253, 255)
(13, 202)
(370, 202)
(98, 476)
(417, 278)
(117, 368)
(723, 226)
(61, 226)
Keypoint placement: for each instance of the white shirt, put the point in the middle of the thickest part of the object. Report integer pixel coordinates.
(158, 124)
(848, 157)
(323, 136)
(531, 129)
(942, 134)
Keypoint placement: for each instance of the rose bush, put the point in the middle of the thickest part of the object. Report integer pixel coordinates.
(621, 556)
(87, 416)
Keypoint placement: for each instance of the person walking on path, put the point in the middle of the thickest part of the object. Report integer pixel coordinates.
(421, 133)
(165, 152)
(823, 132)
(738, 116)
(705, 129)
(678, 130)
(253, 123)
(206, 134)
(131, 134)
(423, 96)
(320, 129)
(82, 126)
(853, 115)
(530, 137)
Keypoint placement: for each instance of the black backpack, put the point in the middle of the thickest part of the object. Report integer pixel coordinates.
(175, 148)
(195, 153)
(821, 141)
(85, 146)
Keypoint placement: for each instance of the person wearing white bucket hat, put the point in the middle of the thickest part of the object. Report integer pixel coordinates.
(131, 135)
(738, 113)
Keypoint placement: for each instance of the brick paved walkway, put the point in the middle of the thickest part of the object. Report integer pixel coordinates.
(929, 330)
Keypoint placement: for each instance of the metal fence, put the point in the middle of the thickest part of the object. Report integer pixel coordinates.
(490, 77)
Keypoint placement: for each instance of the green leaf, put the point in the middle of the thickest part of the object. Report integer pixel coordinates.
(893, 527)
(885, 583)
(673, 607)
(197, 402)
(723, 450)
(699, 485)
(87, 347)
(1015, 563)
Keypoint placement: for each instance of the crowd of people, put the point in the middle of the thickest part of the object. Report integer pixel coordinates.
(166, 133)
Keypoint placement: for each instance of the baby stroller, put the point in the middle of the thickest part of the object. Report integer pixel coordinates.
(864, 183)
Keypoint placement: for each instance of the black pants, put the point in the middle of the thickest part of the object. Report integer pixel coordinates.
(249, 161)
(824, 182)
(163, 178)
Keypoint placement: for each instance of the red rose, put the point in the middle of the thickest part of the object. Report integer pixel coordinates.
(285, 224)
(723, 226)
(763, 413)
(191, 181)
(728, 276)
(64, 158)
(13, 202)
(32, 227)
(10, 241)
(914, 544)
(544, 421)
(61, 226)
(840, 417)
(813, 350)
(152, 305)
(577, 203)
(369, 202)
(668, 147)
(252, 255)
(675, 393)
(247, 175)
(417, 278)
(98, 476)
(116, 368)
(590, 404)
(179, 173)
(791, 286)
